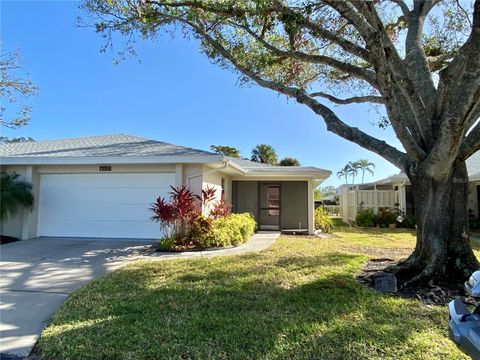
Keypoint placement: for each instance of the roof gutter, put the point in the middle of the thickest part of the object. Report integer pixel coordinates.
(212, 171)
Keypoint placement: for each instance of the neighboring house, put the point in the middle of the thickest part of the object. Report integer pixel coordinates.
(395, 191)
(102, 186)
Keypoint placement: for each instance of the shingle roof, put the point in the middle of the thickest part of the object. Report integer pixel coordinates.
(253, 166)
(106, 145)
(121, 145)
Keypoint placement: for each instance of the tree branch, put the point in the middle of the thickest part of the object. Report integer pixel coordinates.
(346, 45)
(334, 124)
(367, 75)
(352, 100)
(404, 7)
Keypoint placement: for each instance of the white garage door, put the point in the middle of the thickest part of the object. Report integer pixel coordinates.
(100, 205)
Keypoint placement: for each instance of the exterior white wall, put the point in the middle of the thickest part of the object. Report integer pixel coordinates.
(214, 180)
(192, 177)
(472, 197)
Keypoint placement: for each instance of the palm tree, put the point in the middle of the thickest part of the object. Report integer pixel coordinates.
(352, 170)
(365, 165)
(344, 173)
(14, 193)
(265, 154)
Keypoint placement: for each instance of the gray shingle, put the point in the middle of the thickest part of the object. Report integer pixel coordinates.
(259, 167)
(107, 145)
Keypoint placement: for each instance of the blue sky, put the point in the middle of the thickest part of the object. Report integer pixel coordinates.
(172, 94)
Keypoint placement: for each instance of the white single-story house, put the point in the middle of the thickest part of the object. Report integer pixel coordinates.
(395, 191)
(102, 186)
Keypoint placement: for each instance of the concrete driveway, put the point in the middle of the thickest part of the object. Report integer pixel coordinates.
(37, 275)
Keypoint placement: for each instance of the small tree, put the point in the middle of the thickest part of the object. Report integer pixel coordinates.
(14, 194)
(225, 150)
(344, 173)
(265, 154)
(289, 161)
(15, 89)
(352, 170)
(365, 166)
(7, 140)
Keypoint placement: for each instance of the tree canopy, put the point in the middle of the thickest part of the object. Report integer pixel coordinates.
(289, 161)
(264, 153)
(15, 90)
(417, 60)
(225, 150)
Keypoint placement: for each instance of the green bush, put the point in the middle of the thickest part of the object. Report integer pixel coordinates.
(233, 229)
(385, 217)
(322, 220)
(408, 222)
(365, 218)
(168, 243)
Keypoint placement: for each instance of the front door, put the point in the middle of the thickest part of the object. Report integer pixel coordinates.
(269, 218)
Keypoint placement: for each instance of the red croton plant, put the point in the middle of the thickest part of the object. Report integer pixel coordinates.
(180, 217)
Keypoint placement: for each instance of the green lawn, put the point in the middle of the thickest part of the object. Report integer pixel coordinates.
(298, 300)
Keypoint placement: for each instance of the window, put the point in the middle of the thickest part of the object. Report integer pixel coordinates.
(273, 200)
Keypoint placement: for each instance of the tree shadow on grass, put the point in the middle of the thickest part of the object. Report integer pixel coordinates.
(258, 307)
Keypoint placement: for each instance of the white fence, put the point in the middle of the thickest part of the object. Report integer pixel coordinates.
(353, 200)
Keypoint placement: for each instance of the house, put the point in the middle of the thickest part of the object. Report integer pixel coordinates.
(395, 191)
(102, 186)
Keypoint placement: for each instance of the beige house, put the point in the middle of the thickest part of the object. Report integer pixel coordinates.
(102, 186)
(395, 191)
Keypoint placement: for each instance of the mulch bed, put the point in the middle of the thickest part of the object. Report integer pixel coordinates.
(7, 239)
(431, 294)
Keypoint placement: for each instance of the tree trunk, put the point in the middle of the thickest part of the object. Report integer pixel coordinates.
(443, 250)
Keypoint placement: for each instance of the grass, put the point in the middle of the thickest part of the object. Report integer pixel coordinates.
(297, 300)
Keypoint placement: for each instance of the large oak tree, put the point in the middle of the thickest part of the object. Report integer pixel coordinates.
(419, 60)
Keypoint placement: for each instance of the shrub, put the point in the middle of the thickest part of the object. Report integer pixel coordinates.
(200, 226)
(385, 217)
(474, 222)
(14, 194)
(233, 229)
(365, 218)
(408, 222)
(322, 220)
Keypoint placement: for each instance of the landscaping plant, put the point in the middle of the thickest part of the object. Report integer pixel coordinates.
(322, 220)
(184, 226)
(14, 194)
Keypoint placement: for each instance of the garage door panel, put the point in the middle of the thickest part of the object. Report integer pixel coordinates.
(104, 229)
(100, 205)
(108, 180)
(100, 196)
(86, 212)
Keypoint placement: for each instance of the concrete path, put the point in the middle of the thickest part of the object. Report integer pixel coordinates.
(36, 276)
(258, 242)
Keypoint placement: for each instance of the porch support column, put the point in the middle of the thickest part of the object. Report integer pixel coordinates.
(311, 206)
(27, 213)
(178, 174)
